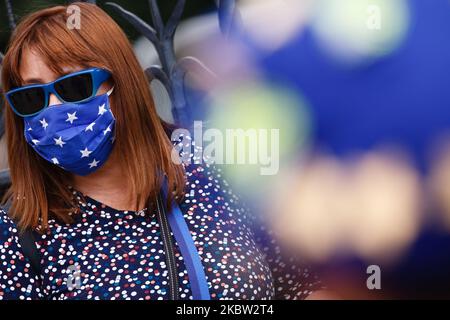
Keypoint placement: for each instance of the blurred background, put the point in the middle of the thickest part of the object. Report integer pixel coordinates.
(360, 91)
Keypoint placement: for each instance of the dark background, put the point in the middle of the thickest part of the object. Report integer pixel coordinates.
(139, 7)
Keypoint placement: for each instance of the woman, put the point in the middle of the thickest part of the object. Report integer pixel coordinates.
(88, 158)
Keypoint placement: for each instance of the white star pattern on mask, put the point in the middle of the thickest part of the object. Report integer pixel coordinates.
(85, 153)
(44, 123)
(55, 161)
(59, 142)
(106, 131)
(71, 117)
(90, 127)
(101, 109)
(94, 163)
(35, 141)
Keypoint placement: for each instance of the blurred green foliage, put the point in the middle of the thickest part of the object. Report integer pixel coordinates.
(139, 7)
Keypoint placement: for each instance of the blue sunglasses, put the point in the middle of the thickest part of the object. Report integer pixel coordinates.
(75, 87)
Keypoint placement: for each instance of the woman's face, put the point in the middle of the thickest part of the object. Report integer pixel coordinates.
(33, 70)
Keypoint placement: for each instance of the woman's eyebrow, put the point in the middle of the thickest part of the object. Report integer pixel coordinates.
(33, 80)
(65, 72)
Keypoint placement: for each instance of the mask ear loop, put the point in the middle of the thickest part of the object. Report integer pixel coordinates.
(108, 94)
(110, 91)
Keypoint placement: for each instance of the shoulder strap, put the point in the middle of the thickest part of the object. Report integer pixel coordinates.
(27, 241)
(191, 257)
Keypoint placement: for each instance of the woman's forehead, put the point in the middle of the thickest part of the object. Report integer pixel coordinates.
(35, 69)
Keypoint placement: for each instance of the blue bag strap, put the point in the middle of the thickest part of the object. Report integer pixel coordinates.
(191, 257)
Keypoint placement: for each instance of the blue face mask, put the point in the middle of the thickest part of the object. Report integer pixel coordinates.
(77, 137)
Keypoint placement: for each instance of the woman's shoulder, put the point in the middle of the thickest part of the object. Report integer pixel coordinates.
(7, 225)
(10, 240)
(207, 181)
(204, 173)
(207, 191)
(208, 194)
(9, 233)
(17, 280)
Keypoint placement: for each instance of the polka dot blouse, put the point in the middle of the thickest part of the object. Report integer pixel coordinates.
(120, 255)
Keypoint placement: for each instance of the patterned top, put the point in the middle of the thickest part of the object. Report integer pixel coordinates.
(119, 254)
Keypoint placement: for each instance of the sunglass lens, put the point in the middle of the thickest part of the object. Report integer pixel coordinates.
(28, 101)
(75, 88)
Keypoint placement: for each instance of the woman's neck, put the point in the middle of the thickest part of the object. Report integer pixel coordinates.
(107, 185)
